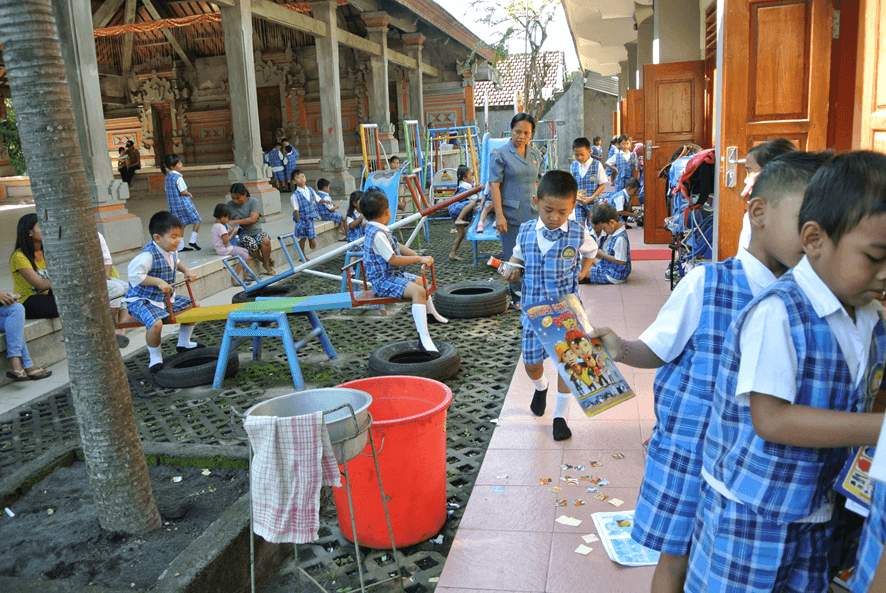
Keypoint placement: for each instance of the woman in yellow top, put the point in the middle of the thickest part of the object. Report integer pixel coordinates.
(29, 271)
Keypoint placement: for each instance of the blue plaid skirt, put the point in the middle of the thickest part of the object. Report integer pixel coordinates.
(184, 209)
(393, 286)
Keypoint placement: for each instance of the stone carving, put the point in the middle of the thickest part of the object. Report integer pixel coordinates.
(155, 90)
(267, 73)
(212, 88)
(360, 77)
(296, 75)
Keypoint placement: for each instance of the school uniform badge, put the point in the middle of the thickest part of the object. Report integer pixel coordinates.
(568, 253)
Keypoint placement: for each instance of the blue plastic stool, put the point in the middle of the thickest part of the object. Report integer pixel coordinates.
(257, 333)
(349, 257)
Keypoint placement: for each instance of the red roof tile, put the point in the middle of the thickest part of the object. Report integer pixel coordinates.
(513, 73)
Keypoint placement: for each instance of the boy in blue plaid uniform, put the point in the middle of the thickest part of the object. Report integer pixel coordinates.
(383, 260)
(151, 275)
(304, 202)
(613, 263)
(684, 343)
(624, 161)
(871, 563)
(327, 209)
(623, 199)
(796, 369)
(590, 176)
(290, 160)
(278, 166)
(553, 253)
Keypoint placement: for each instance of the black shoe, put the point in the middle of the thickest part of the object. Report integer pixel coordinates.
(421, 346)
(194, 246)
(155, 368)
(627, 226)
(186, 249)
(183, 349)
(585, 280)
(122, 341)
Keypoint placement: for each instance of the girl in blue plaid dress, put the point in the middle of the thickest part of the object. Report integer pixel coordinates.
(624, 161)
(355, 221)
(304, 211)
(684, 343)
(179, 199)
(277, 162)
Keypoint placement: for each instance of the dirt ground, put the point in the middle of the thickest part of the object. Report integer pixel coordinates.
(68, 543)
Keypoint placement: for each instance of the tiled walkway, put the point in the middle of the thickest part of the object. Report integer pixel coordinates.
(510, 541)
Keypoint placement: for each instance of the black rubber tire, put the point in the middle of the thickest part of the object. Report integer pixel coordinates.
(471, 299)
(194, 367)
(406, 358)
(275, 292)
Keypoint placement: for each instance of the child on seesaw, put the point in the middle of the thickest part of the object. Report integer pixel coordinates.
(151, 275)
(552, 253)
(383, 260)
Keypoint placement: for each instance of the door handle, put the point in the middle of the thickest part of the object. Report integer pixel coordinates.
(649, 151)
(731, 165)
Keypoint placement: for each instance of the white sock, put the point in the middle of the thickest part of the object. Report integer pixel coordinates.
(156, 355)
(433, 311)
(420, 315)
(184, 336)
(562, 404)
(193, 236)
(540, 384)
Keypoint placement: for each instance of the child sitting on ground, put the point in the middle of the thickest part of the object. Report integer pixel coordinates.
(684, 343)
(613, 263)
(383, 260)
(590, 176)
(327, 208)
(304, 211)
(623, 199)
(798, 365)
(151, 275)
(458, 211)
(355, 221)
(552, 254)
(221, 239)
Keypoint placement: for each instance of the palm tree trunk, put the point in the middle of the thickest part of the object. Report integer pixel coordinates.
(114, 456)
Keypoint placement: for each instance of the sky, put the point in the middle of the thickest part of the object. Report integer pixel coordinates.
(562, 41)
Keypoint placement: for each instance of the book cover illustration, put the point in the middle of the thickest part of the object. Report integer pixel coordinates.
(584, 363)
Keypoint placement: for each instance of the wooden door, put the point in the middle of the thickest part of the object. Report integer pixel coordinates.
(872, 56)
(161, 119)
(270, 115)
(775, 84)
(632, 118)
(673, 97)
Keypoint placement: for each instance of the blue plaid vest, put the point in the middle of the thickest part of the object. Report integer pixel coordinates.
(159, 269)
(684, 387)
(597, 150)
(612, 270)
(589, 182)
(275, 158)
(377, 269)
(356, 232)
(625, 165)
(780, 482)
(307, 208)
(555, 273)
(171, 185)
(290, 166)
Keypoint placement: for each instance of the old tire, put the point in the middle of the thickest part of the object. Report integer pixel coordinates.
(407, 358)
(471, 299)
(194, 367)
(272, 292)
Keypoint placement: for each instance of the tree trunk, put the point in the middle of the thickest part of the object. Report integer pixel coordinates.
(115, 459)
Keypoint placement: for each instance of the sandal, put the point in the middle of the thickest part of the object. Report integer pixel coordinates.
(37, 373)
(17, 375)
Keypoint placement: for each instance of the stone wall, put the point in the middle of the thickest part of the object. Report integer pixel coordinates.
(598, 108)
(569, 108)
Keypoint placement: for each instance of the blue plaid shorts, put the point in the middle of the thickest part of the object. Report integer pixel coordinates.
(304, 229)
(327, 214)
(598, 276)
(393, 286)
(148, 314)
(533, 351)
(583, 212)
(669, 497)
(735, 550)
(870, 549)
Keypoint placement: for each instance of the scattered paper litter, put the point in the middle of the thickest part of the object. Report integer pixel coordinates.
(579, 468)
(434, 579)
(583, 549)
(545, 480)
(437, 540)
(498, 488)
(571, 521)
(50, 511)
(554, 489)
(596, 463)
(494, 420)
(578, 502)
(501, 477)
(206, 472)
(590, 538)
(616, 502)
(449, 513)
(603, 482)
(9, 512)
(601, 497)
(177, 479)
(560, 503)
(592, 489)
(618, 455)
(454, 505)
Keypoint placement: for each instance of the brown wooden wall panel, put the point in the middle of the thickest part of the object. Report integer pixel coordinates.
(779, 78)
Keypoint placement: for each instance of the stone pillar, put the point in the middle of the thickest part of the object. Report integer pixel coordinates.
(377, 28)
(414, 43)
(333, 163)
(677, 27)
(631, 48)
(247, 169)
(645, 32)
(623, 80)
(122, 230)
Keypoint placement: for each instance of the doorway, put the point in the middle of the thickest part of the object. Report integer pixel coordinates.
(161, 119)
(270, 115)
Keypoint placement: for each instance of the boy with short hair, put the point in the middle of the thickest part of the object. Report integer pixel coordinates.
(622, 200)
(624, 162)
(590, 176)
(613, 263)
(552, 253)
(798, 364)
(684, 344)
(383, 260)
(304, 211)
(327, 208)
(277, 162)
(151, 275)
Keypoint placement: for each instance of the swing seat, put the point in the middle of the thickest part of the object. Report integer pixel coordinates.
(367, 297)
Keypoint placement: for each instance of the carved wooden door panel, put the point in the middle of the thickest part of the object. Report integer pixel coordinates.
(270, 114)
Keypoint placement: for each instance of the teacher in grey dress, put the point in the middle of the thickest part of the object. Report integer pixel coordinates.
(513, 181)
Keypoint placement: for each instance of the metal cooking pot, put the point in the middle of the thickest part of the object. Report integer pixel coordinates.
(348, 440)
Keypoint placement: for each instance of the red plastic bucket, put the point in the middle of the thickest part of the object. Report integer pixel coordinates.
(409, 428)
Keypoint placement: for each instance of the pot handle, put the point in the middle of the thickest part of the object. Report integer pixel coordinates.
(381, 432)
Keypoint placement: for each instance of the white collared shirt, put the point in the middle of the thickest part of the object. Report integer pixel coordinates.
(587, 250)
(584, 167)
(679, 318)
(380, 243)
(141, 265)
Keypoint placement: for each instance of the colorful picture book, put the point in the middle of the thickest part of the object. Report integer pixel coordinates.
(584, 363)
(615, 533)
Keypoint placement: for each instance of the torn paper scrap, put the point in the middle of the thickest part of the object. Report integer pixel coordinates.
(583, 549)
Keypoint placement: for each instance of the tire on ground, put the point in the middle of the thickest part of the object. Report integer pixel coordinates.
(407, 358)
(194, 367)
(471, 299)
(273, 292)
